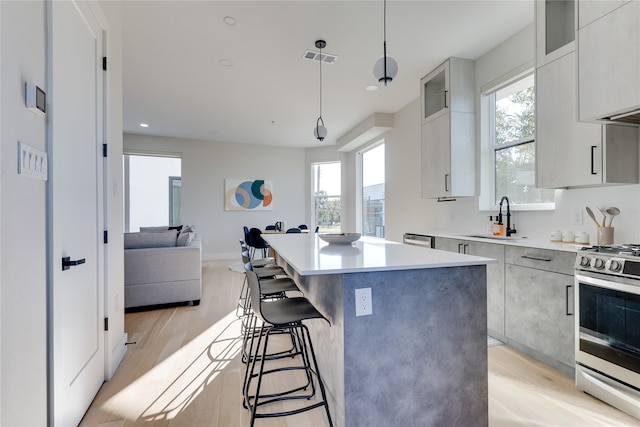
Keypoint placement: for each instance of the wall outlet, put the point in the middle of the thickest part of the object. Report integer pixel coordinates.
(577, 220)
(363, 302)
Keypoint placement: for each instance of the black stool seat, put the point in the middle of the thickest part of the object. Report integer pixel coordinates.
(288, 310)
(277, 286)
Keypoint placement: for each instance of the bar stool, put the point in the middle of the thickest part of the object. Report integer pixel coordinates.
(269, 289)
(281, 316)
(269, 270)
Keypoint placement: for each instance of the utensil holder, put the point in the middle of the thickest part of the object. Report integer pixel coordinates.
(605, 235)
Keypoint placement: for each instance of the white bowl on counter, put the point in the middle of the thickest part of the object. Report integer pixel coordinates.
(339, 238)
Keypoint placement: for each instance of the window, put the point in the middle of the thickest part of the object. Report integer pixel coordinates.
(153, 190)
(513, 142)
(373, 179)
(327, 186)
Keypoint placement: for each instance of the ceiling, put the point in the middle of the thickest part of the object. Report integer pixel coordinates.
(173, 79)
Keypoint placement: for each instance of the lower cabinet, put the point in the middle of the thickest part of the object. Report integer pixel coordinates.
(530, 298)
(539, 304)
(495, 275)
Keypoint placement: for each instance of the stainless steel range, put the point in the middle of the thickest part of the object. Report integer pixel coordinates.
(607, 280)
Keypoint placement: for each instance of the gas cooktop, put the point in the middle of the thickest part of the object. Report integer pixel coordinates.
(627, 249)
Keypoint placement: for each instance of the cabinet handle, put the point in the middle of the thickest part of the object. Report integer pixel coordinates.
(446, 182)
(465, 247)
(445, 99)
(567, 299)
(535, 258)
(459, 248)
(593, 156)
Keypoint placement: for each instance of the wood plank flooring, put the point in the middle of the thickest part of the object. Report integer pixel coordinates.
(185, 370)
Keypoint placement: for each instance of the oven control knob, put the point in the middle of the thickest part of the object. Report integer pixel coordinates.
(584, 261)
(614, 265)
(597, 263)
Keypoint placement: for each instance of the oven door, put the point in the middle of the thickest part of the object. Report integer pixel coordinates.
(608, 326)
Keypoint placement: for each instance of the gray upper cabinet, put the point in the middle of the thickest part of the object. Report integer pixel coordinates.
(448, 126)
(609, 61)
(570, 153)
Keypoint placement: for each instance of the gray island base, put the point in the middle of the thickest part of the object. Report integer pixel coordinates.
(419, 360)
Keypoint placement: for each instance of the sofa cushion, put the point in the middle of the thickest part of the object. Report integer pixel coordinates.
(155, 229)
(150, 239)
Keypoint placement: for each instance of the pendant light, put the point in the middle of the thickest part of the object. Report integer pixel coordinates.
(386, 68)
(320, 132)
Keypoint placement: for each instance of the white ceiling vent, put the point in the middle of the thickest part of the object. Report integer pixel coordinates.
(312, 55)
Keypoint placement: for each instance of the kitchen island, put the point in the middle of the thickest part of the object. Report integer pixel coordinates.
(420, 358)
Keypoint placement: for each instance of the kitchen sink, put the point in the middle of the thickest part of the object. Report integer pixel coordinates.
(490, 236)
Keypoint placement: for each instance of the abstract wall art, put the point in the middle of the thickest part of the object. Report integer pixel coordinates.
(242, 195)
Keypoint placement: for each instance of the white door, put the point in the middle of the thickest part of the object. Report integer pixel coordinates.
(75, 120)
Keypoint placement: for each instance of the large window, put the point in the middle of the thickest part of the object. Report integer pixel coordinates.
(373, 179)
(327, 186)
(513, 142)
(153, 191)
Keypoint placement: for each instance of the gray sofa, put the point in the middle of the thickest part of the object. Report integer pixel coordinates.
(162, 267)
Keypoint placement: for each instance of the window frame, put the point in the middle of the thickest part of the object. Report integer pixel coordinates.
(360, 186)
(488, 197)
(314, 219)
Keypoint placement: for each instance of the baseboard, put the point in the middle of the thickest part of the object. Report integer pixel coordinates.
(221, 255)
(119, 350)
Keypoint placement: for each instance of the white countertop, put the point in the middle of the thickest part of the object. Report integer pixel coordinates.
(309, 255)
(514, 241)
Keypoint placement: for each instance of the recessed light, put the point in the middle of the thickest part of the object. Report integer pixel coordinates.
(229, 20)
(371, 88)
(144, 125)
(226, 63)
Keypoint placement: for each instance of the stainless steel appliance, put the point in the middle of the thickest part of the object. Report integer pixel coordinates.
(418, 240)
(607, 280)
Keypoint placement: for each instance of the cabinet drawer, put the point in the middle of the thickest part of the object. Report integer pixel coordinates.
(541, 259)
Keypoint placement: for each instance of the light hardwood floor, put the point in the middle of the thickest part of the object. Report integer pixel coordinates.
(185, 370)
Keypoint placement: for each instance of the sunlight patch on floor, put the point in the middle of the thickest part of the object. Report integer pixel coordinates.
(169, 387)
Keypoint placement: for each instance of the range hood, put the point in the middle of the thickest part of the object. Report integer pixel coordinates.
(631, 117)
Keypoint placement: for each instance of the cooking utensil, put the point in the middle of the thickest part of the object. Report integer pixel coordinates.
(604, 214)
(593, 217)
(613, 212)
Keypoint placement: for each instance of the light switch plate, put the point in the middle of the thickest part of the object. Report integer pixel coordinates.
(32, 162)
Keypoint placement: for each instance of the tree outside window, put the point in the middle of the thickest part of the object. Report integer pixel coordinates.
(514, 145)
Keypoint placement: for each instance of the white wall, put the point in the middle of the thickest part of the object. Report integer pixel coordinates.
(206, 164)
(23, 329)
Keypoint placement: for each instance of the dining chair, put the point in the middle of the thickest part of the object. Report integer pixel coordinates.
(294, 230)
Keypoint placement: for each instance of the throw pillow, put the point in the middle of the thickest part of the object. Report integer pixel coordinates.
(184, 239)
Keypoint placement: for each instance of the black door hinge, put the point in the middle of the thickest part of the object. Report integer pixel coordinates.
(104, 63)
(105, 236)
(104, 150)
(106, 323)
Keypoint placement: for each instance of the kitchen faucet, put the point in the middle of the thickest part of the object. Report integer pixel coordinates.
(509, 230)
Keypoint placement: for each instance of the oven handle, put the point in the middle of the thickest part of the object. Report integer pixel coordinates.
(567, 305)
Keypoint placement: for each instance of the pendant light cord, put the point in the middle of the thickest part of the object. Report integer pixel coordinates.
(320, 59)
(384, 43)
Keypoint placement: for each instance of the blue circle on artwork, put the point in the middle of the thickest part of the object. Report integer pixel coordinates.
(246, 197)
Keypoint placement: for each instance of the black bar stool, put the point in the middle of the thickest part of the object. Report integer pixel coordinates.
(281, 316)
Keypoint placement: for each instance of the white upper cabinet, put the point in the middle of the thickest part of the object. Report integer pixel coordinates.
(448, 130)
(609, 61)
(450, 87)
(571, 153)
(555, 29)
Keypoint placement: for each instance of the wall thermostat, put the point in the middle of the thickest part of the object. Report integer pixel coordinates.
(36, 98)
